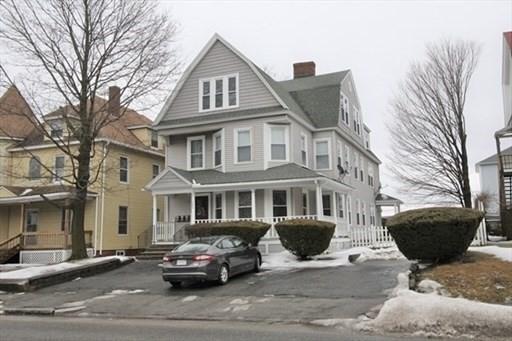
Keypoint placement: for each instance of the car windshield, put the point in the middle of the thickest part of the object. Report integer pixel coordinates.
(196, 245)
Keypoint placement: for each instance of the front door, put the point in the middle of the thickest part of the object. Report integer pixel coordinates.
(202, 207)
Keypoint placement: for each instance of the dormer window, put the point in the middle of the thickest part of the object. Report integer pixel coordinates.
(218, 93)
(56, 129)
(344, 109)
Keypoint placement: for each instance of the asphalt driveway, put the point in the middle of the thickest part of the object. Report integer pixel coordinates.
(137, 290)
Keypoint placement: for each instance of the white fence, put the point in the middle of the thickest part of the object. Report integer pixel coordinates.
(378, 236)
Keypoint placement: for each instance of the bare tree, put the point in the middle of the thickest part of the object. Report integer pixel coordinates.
(428, 130)
(75, 49)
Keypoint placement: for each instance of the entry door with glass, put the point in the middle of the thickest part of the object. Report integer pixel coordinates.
(202, 207)
(31, 222)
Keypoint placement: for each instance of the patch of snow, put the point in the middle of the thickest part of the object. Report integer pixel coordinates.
(126, 292)
(285, 260)
(496, 238)
(239, 301)
(428, 286)
(504, 253)
(29, 272)
(189, 299)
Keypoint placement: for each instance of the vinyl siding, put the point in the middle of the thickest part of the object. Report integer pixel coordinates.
(220, 61)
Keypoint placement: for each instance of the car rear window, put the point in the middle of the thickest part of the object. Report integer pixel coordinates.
(196, 245)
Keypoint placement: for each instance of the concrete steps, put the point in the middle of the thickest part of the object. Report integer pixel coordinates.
(156, 251)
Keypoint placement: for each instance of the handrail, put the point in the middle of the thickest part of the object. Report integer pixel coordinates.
(8, 241)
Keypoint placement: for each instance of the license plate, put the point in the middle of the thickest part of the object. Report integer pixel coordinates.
(181, 262)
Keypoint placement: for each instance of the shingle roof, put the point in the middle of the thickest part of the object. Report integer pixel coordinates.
(15, 115)
(304, 83)
(285, 172)
(494, 158)
(321, 104)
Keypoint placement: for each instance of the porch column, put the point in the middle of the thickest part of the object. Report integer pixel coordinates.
(166, 208)
(192, 207)
(155, 208)
(253, 203)
(319, 203)
(336, 212)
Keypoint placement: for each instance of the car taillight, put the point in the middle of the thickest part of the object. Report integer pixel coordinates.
(203, 257)
(166, 259)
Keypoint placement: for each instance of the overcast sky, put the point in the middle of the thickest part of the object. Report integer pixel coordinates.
(377, 40)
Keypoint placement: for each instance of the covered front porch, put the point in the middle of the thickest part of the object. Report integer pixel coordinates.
(306, 196)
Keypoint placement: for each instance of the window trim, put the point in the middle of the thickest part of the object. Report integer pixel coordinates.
(201, 138)
(344, 118)
(153, 133)
(303, 135)
(235, 145)
(237, 206)
(213, 91)
(127, 169)
(55, 178)
(221, 134)
(268, 146)
(127, 221)
(222, 205)
(315, 142)
(327, 195)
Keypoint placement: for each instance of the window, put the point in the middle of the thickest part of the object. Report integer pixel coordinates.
(358, 212)
(341, 205)
(63, 219)
(195, 152)
(372, 215)
(347, 158)
(279, 203)
(123, 169)
(218, 206)
(154, 139)
(304, 149)
(361, 168)
(357, 121)
(370, 176)
(205, 97)
(349, 209)
(34, 168)
(58, 169)
(363, 213)
(305, 204)
(367, 139)
(278, 143)
(56, 129)
(356, 165)
(243, 145)
(344, 109)
(122, 224)
(32, 220)
(156, 170)
(217, 149)
(322, 154)
(218, 93)
(326, 203)
(244, 204)
(339, 150)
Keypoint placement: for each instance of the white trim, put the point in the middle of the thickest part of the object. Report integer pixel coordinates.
(268, 141)
(236, 202)
(213, 92)
(216, 37)
(222, 149)
(305, 136)
(323, 139)
(201, 138)
(235, 145)
(127, 170)
(222, 205)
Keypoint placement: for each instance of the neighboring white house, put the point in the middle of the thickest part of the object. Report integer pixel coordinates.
(241, 145)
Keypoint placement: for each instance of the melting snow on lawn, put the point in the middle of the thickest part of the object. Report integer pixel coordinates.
(285, 260)
(24, 274)
(504, 253)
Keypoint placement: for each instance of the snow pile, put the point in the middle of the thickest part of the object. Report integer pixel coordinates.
(285, 260)
(433, 315)
(504, 253)
(27, 273)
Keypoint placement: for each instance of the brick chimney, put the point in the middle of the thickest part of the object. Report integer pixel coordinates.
(304, 69)
(114, 100)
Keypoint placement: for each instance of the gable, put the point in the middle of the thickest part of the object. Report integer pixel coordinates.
(218, 60)
(169, 179)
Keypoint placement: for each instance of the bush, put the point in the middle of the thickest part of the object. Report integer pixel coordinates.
(434, 234)
(305, 238)
(250, 231)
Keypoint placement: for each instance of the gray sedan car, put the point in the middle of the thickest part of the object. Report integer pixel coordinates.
(215, 258)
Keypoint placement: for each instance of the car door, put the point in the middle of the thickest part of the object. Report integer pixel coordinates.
(242, 254)
(231, 254)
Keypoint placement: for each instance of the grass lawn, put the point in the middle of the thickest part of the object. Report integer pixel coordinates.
(478, 277)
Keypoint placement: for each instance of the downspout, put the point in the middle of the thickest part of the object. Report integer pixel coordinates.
(105, 147)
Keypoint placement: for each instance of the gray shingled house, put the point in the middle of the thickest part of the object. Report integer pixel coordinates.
(241, 145)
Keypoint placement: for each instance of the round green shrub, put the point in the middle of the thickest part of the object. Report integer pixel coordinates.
(434, 234)
(250, 231)
(305, 238)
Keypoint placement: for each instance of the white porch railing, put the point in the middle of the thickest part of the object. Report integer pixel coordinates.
(163, 232)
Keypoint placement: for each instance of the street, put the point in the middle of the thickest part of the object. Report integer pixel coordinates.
(86, 329)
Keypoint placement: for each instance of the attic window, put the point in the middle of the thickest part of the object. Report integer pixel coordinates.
(344, 109)
(218, 93)
(56, 129)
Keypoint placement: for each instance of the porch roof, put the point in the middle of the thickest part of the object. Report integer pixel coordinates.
(21, 194)
(208, 178)
(385, 200)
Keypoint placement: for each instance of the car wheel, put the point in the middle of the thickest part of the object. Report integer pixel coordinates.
(176, 284)
(223, 274)
(257, 264)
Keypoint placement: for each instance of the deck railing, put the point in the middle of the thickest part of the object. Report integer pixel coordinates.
(50, 240)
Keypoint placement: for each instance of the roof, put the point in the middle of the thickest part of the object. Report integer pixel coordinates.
(117, 130)
(388, 198)
(24, 191)
(288, 171)
(317, 81)
(493, 159)
(15, 115)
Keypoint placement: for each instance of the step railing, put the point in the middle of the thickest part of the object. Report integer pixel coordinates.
(9, 247)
